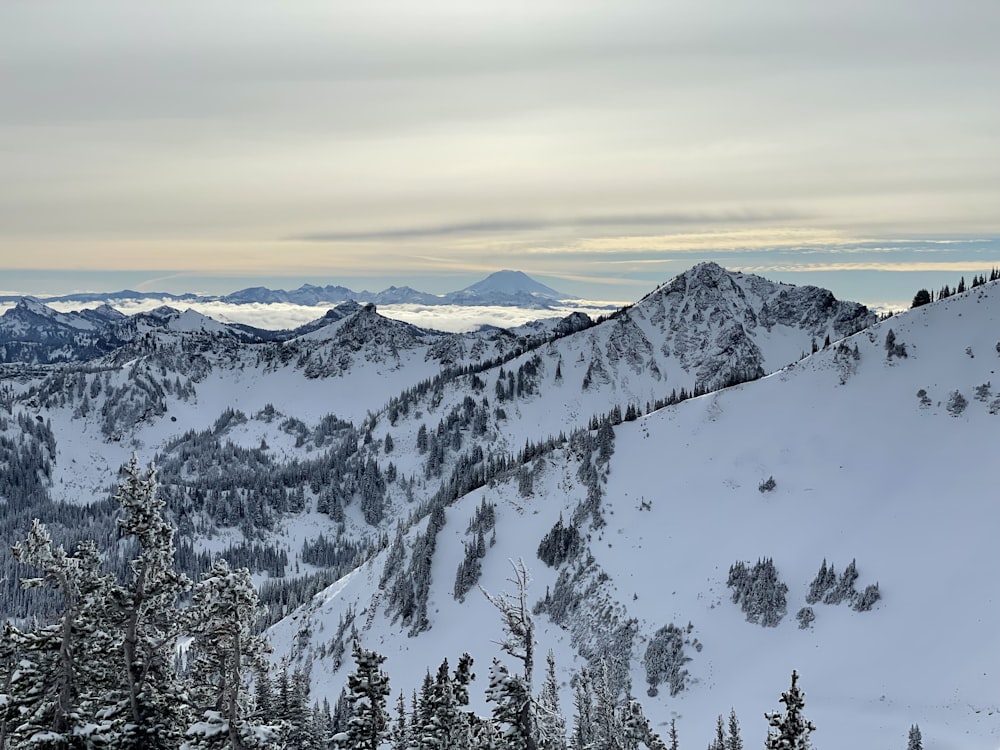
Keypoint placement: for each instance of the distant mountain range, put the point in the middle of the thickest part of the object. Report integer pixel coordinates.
(503, 288)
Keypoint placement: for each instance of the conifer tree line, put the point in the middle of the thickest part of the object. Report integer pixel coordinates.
(153, 660)
(925, 297)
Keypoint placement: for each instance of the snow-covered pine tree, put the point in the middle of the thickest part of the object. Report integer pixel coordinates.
(448, 726)
(368, 687)
(789, 730)
(148, 602)
(915, 741)
(223, 651)
(637, 729)
(608, 729)
(513, 709)
(825, 579)
(400, 733)
(719, 743)
(733, 739)
(584, 731)
(56, 674)
(551, 724)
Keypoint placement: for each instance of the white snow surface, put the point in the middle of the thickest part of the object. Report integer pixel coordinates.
(863, 472)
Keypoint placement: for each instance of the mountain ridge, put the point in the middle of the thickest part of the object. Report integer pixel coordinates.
(502, 288)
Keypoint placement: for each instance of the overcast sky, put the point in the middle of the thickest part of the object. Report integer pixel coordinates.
(600, 146)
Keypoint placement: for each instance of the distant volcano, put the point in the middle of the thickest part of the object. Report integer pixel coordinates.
(511, 283)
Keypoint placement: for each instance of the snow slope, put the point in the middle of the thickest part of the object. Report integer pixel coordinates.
(863, 469)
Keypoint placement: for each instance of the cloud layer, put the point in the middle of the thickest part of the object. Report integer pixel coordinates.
(391, 139)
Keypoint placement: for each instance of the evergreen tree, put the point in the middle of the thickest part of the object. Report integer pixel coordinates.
(224, 648)
(551, 724)
(400, 734)
(789, 730)
(151, 626)
(584, 730)
(915, 741)
(513, 708)
(733, 739)
(674, 744)
(448, 726)
(368, 686)
(56, 676)
(719, 743)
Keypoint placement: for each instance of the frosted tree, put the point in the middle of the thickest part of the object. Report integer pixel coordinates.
(58, 672)
(733, 739)
(148, 605)
(515, 614)
(665, 659)
(915, 741)
(636, 729)
(551, 724)
(719, 743)
(368, 687)
(224, 650)
(400, 734)
(584, 731)
(448, 725)
(789, 730)
(515, 708)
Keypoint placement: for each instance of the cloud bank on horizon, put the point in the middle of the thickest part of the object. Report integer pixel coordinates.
(606, 146)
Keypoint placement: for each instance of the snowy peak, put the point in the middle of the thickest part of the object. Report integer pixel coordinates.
(29, 310)
(726, 326)
(511, 282)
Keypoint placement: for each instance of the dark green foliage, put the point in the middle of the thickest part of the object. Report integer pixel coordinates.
(922, 297)
(560, 544)
(892, 347)
(469, 568)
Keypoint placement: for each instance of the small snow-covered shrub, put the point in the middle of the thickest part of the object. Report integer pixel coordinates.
(805, 616)
(956, 403)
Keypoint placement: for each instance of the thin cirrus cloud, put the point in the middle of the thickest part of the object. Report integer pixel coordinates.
(501, 226)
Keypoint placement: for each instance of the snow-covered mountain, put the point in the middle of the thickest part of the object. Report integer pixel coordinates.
(372, 448)
(879, 458)
(507, 288)
(503, 289)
